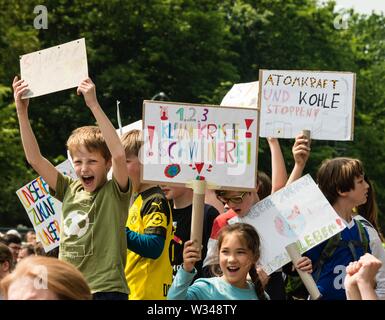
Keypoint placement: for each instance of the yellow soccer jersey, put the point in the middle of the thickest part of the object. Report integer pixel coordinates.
(149, 279)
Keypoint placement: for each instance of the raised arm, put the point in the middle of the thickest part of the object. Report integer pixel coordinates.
(119, 168)
(31, 148)
(278, 167)
(301, 152)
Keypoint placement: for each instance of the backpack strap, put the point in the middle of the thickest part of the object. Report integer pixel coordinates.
(363, 237)
(335, 242)
(331, 246)
(365, 223)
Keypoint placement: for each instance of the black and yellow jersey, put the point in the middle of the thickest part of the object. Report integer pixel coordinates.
(149, 279)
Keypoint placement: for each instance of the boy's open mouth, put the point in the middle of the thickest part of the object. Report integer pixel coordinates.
(88, 180)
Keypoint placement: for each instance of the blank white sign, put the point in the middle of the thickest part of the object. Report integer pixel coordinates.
(54, 69)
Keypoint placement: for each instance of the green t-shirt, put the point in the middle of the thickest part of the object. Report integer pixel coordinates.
(92, 232)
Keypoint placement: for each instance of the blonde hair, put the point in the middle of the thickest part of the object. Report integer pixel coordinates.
(64, 280)
(91, 138)
(132, 142)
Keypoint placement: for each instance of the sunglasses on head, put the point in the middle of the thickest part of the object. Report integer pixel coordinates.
(236, 199)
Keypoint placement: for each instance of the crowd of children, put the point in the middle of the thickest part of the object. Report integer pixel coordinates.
(135, 240)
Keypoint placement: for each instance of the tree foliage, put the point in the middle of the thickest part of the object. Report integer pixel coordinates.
(193, 51)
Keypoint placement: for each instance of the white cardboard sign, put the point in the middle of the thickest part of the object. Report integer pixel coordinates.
(297, 213)
(184, 142)
(242, 95)
(54, 69)
(292, 101)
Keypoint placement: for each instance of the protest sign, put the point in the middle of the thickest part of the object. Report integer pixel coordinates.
(292, 101)
(44, 211)
(54, 69)
(297, 213)
(184, 142)
(242, 95)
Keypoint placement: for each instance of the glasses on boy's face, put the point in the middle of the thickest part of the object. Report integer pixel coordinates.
(236, 199)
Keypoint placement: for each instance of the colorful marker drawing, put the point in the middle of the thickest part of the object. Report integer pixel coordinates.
(292, 223)
(283, 228)
(203, 141)
(163, 113)
(172, 170)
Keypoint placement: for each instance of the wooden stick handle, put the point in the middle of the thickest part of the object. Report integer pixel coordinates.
(307, 279)
(307, 133)
(199, 188)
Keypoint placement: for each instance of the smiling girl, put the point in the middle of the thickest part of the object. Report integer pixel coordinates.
(239, 251)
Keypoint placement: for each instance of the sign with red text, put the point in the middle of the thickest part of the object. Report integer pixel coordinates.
(297, 213)
(184, 142)
(44, 211)
(54, 69)
(292, 101)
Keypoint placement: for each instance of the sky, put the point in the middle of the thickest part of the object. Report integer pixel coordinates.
(362, 6)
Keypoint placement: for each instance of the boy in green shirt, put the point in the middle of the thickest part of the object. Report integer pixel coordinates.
(94, 209)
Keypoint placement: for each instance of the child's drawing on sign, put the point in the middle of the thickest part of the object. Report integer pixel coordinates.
(279, 129)
(183, 142)
(163, 113)
(293, 223)
(283, 228)
(172, 170)
(198, 166)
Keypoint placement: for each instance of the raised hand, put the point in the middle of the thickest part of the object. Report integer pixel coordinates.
(301, 150)
(88, 89)
(19, 88)
(263, 277)
(191, 254)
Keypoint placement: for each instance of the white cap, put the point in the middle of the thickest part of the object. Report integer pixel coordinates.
(14, 232)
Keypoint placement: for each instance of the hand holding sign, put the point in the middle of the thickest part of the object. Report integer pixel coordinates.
(306, 278)
(191, 254)
(20, 87)
(88, 89)
(301, 149)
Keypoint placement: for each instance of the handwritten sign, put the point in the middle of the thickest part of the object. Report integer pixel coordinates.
(184, 142)
(54, 69)
(242, 95)
(297, 213)
(322, 102)
(44, 211)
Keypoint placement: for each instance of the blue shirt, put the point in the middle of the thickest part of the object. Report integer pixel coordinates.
(215, 288)
(331, 279)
